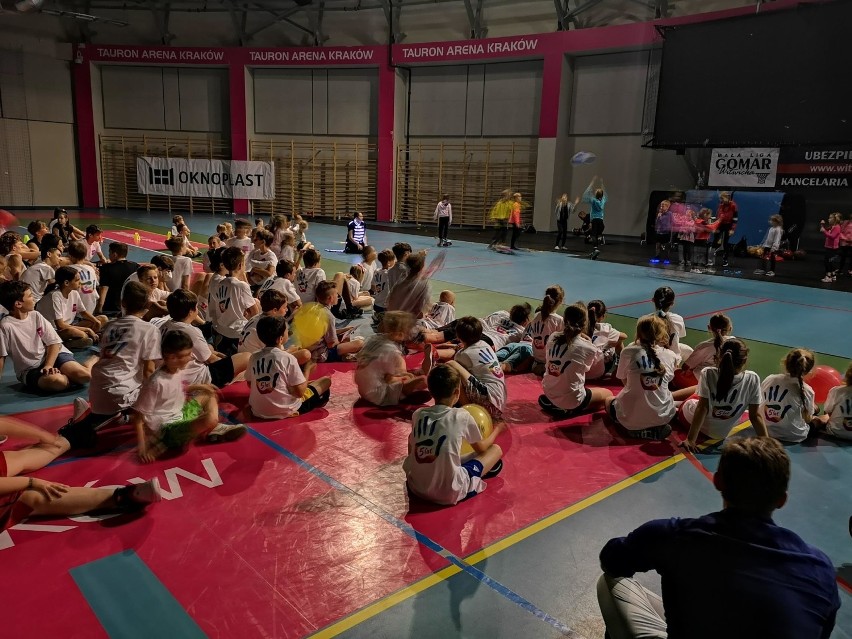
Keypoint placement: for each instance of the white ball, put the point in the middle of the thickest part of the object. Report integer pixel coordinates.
(583, 157)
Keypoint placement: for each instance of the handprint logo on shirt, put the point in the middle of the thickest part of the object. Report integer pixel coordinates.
(649, 377)
(846, 412)
(729, 411)
(302, 282)
(263, 381)
(774, 399)
(224, 299)
(426, 449)
(488, 359)
(555, 356)
(114, 342)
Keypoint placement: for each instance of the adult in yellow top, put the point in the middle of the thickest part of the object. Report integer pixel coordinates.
(500, 213)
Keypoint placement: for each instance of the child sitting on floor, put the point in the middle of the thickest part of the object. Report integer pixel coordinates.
(608, 340)
(273, 303)
(234, 304)
(434, 468)
(837, 420)
(77, 252)
(703, 356)
(165, 418)
(277, 385)
(788, 401)
(442, 312)
(483, 381)
(515, 356)
(308, 277)
(724, 392)
(570, 354)
(664, 298)
(181, 273)
(381, 281)
(41, 274)
(381, 376)
(283, 281)
(262, 260)
(330, 347)
(63, 307)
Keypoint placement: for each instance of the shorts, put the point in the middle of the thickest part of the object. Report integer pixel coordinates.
(474, 468)
(565, 413)
(683, 379)
(12, 510)
(32, 376)
(331, 355)
(686, 412)
(312, 399)
(179, 433)
(477, 392)
(221, 372)
(225, 345)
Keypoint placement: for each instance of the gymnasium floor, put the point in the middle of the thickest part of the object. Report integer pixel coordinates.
(304, 528)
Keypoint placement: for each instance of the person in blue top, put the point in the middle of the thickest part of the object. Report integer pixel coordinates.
(356, 236)
(596, 197)
(733, 573)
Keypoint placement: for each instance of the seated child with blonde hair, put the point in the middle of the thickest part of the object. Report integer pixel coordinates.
(442, 312)
(277, 385)
(435, 469)
(381, 375)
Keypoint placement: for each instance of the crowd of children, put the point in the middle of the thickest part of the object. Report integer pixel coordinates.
(175, 338)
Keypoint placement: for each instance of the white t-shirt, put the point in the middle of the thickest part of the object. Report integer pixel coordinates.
(205, 311)
(244, 243)
(319, 350)
(538, 332)
(703, 356)
(88, 286)
(281, 284)
(397, 273)
(439, 315)
(838, 406)
(723, 415)
(55, 306)
(232, 297)
(564, 380)
(677, 329)
(126, 343)
(480, 361)
(645, 401)
(94, 249)
(38, 276)
(604, 338)
(782, 407)
(262, 259)
(205, 262)
(249, 341)
(181, 269)
(196, 371)
(287, 253)
(433, 469)
(161, 399)
(381, 284)
(379, 358)
(354, 287)
(270, 373)
(369, 272)
(306, 283)
(501, 330)
(26, 340)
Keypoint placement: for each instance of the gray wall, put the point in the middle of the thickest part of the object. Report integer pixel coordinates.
(37, 149)
(342, 102)
(165, 98)
(492, 100)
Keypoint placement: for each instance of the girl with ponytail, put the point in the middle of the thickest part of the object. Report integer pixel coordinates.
(608, 341)
(570, 354)
(837, 420)
(663, 300)
(686, 378)
(63, 307)
(724, 392)
(645, 406)
(545, 323)
(788, 401)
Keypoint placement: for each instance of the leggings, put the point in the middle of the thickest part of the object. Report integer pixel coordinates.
(724, 233)
(561, 231)
(516, 232)
(829, 258)
(515, 353)
(500, 229)
(845, 254)
(597, 230)
(768, 259)
(443, 228)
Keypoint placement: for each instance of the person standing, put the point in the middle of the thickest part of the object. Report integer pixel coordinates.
(444, 215)
(726, 218)
(500, 213)
(775, 584)
(515, 220)
(563, 211)
(596, 198)
(356, 238)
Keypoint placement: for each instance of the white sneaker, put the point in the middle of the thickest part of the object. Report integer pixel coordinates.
(557, 248)
(827, 279)
(760, 271)
(81, 407)
(226, 433)
(770, 273)
(147, 492)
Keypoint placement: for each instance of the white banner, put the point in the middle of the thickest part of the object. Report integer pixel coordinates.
(235, 179)
(743, 167)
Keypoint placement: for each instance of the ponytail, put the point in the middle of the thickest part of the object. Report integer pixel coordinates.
(553, 296)
(593, 320)
(575, 321)
(597, 311)
(663, 299)
(720, 325)
(726, 375)
(799, 363)
(651, 331)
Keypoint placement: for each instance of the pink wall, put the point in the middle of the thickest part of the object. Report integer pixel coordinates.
(86, 138)
(239, 132)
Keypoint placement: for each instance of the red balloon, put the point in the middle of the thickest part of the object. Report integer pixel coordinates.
(822, 379)
(7, 220)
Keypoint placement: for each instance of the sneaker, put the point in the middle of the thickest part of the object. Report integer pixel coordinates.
(447, 243)
(725, 263)
(595, 254)
(226, 433)
(770, 273)
(827, 279)
(146, 493)
(80, 343)
(557, 248)
(495, 470)
(81, 407)
(657, 433)
(696, 270)
(759, 271)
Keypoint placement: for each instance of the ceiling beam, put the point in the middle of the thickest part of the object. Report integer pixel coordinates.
(392, 9)
(474, 18)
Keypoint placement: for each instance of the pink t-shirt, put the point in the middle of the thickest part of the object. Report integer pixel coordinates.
(832, 236)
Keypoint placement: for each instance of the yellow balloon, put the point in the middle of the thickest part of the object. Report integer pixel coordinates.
(309, 324)
(483, 421)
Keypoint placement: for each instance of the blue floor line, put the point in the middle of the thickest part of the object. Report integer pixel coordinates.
(419, 537)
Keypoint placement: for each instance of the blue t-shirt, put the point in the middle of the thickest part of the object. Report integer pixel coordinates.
(733, 575)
